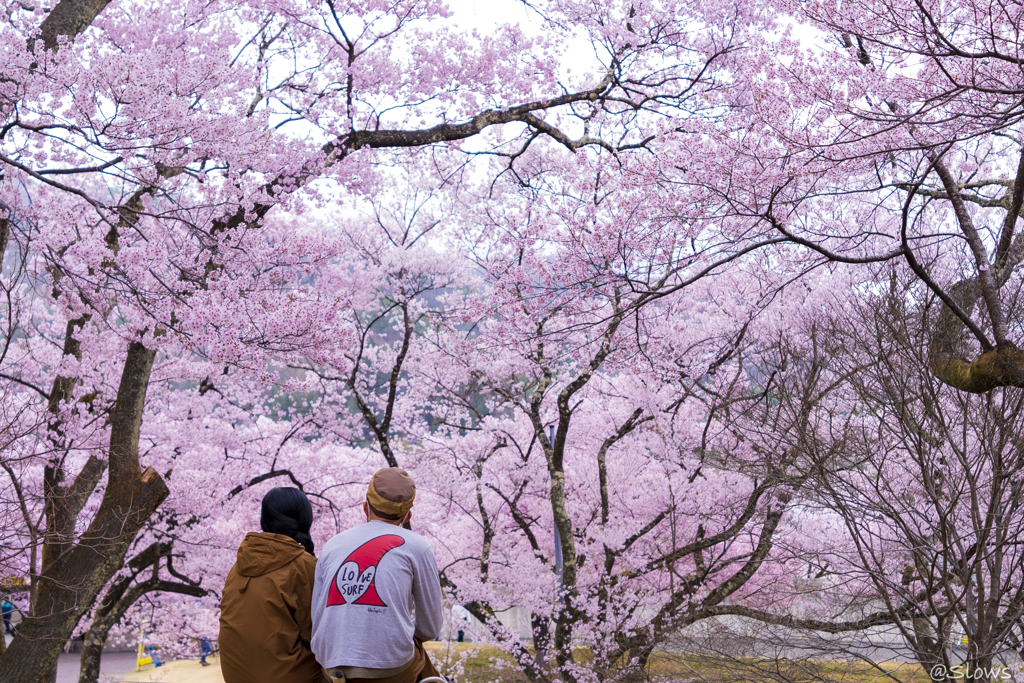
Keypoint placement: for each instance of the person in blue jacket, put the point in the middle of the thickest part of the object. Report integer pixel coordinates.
(7, 608)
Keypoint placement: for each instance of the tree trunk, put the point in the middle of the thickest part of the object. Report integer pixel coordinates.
(92, 654)
(111, 613)
(540, 626)
(69, 585)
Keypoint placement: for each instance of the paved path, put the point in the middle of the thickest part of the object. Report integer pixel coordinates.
(112, 664)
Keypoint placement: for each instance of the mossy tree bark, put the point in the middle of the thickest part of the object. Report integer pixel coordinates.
(1000, 362)
(69, 584)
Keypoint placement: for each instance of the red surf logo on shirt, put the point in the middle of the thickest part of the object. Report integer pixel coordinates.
(353, 584)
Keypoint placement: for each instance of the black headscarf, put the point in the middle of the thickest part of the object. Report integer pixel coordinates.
(287, 511)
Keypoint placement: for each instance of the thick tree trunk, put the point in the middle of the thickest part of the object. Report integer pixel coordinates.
(949, 356)
(64, 501)
(1000, 364)
(71, 582)
(110, 613)
(68, 18)
(1000, 367)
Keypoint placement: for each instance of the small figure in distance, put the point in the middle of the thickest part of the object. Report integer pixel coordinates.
(204, 650)
(7, 608)
(265, 621)
(368, 581)
(460, 615)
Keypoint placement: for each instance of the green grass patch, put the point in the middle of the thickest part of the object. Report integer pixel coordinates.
(473, 663)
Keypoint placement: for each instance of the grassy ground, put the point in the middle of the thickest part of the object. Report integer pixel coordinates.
(668, 667)
(469, 663)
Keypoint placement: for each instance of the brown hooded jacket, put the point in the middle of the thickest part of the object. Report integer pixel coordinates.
(265, 622)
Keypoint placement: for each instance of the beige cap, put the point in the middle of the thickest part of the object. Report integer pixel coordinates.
(391, 491)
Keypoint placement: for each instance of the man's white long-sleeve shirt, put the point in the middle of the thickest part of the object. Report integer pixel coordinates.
(368, 579)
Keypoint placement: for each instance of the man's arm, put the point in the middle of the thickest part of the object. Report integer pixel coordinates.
(426, 592)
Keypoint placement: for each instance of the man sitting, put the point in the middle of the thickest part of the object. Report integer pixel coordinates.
(368, 580)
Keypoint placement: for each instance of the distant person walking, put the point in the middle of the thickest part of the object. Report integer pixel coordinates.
(460, 615)
(205, 649)
(368, 581)
(265, 622)
(7, 608)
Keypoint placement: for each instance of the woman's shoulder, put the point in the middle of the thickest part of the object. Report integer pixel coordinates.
(304, 564)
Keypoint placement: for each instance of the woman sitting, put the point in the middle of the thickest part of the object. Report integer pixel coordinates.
(265, 623)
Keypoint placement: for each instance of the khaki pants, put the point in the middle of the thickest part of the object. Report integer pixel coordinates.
(420, 667)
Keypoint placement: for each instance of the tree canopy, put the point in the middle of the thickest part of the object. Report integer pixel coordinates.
(680, 312)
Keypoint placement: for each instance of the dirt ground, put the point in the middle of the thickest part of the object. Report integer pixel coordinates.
(191, 671)
(182, 671)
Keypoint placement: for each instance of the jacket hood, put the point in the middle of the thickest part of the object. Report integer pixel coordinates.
(262, 553)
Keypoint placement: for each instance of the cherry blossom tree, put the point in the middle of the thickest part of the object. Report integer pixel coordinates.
(144, 148)
(611, 440)
(930, 495)
(894, 135)
(303, 240)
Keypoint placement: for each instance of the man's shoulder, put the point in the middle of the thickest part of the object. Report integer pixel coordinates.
(416, 542)
(339, 540)
(350, 539)
(356, 536)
